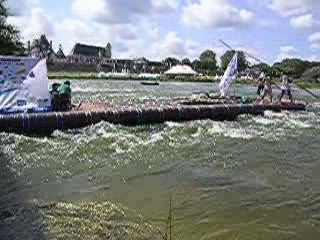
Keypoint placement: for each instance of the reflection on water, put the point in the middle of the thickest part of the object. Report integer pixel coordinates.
(255, 178)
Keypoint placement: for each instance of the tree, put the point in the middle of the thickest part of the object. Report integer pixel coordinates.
(186, 61)
(276, 70)
(264, 67)
(10, 43)
(294, 67)
(170, 62)
(228, 55)
(196, 64)
(312, 74)
(208, 61)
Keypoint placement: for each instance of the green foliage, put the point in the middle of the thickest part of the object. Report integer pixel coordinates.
(228, 55)
(168, 234)
(208, 62)
(170, 62)
(186, 61)
(312, 74)
(293, 67)
(196, 65)
(264, 67)
(10, 43)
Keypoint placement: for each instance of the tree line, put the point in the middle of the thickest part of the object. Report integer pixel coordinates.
(293, 67)
(11, 44)
(207, 62)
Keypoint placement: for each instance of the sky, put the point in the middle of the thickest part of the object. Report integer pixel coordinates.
(269, 29)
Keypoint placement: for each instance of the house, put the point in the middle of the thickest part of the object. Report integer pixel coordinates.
(60, 56)
(41, 48)
(87, 54)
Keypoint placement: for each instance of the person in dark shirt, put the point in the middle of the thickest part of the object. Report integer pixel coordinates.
(260, 83)
(55, 98)
(65, 95)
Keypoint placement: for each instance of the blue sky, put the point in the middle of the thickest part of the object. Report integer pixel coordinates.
(270, 29)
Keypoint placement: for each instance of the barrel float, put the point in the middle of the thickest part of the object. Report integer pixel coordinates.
(47, 122)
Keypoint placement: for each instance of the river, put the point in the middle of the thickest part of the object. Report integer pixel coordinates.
(254, 178)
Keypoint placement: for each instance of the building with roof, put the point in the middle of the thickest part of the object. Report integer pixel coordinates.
(88, 54)
(41, 48)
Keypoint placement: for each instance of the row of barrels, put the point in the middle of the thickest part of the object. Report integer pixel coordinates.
(47, 122)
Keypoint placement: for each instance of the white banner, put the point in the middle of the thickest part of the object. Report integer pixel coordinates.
(228, 76)
(23, 85)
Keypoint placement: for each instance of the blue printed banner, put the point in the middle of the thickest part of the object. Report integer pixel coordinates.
(23, 85)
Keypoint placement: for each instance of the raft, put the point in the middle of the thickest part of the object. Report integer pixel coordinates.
(36, 123)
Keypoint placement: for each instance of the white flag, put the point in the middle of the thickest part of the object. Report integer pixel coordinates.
(228, 76)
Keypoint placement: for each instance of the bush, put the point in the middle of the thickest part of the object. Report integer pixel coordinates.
(312, 75)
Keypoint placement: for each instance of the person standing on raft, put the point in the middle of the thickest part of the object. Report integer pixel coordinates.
(285, 88)
(260, 83)
(267, 89)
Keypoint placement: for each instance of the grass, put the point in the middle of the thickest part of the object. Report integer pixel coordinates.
(72, 75)
(168, 232)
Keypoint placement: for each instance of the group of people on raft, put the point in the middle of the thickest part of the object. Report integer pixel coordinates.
(61, 96)
(265, 89)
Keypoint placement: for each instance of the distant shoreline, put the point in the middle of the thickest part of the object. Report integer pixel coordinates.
(210, 79)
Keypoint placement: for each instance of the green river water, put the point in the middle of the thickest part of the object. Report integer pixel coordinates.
(255, 178)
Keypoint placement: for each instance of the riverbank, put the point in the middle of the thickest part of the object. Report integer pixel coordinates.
(133, 77)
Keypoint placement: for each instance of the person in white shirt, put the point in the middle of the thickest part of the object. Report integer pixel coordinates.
(285, 88)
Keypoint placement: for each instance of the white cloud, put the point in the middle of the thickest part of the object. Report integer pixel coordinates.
(313, 58)
(164, 6)
(215, 14)
(125, 49)
(15, 6)
(123, 37)
(125, 31)
(33, 24)
(302, 22)
(127, 23)
(171, 45)
(112, 11)
(121, 11)
(288, 49)
(292, 7)
(314, 40)
(70, 31)
(287, 52)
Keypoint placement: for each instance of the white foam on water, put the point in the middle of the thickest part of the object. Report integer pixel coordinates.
(78, 89)
(271, 114)
(227, 130)
(265, 121)
(154, 138)
(295, 123)
(89, 90)
(174, 124)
